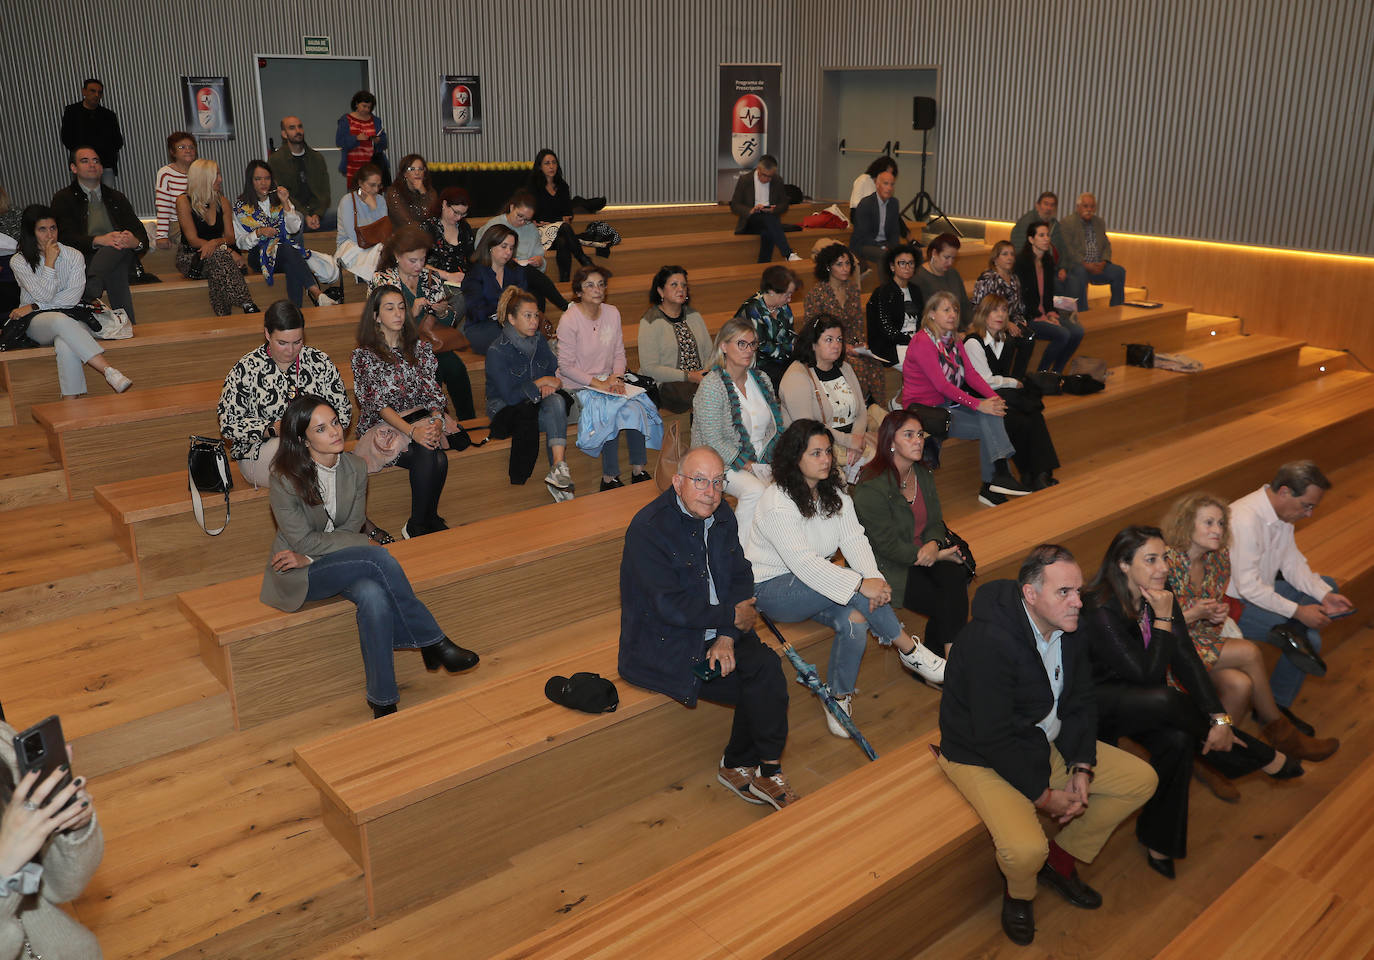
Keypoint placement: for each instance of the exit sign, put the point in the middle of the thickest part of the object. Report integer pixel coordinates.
(315, 46)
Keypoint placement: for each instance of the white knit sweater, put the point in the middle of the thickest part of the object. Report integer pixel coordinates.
(783, 541)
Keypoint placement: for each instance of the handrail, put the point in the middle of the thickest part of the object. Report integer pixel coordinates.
(885, 151)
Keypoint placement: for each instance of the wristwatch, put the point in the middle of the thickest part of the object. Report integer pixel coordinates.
(1222, 721)
(1081, 768)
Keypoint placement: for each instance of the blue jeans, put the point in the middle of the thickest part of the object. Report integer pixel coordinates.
(787, 598)
(1061, 340)
(610, 453)
(1255, 624)
(1112, 273)
(988, 430)
(553, 421)
(769, 228)
(390, 616)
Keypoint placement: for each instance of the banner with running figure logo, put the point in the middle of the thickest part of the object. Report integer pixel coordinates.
(460, 107)
(208, 109)
(750, 117)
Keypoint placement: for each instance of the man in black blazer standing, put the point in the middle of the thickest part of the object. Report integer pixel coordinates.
(877, 222)
(760, 201)
(1018, 729)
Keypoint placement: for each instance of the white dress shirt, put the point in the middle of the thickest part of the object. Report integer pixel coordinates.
(761, 192)
(1262, 547)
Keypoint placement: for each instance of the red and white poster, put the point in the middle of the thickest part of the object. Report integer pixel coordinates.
(460, 104)
(207, 107)
(750, 117)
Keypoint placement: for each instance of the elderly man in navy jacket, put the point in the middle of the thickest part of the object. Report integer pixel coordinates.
(1018, 730)
(686, 624)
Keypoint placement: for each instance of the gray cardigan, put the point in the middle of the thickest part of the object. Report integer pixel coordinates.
(301, 528)
(658, 344)
(714, 421)
(68, 860)
(1073, 248)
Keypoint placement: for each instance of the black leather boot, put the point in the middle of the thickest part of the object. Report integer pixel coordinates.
(448, 655)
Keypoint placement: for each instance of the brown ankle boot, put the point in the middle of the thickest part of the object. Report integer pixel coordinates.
(1221, 788)
(1286, 738)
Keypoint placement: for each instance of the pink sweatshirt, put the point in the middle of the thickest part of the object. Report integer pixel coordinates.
(924, 382)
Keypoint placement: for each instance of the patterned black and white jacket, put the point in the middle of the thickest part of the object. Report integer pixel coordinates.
(256, 394)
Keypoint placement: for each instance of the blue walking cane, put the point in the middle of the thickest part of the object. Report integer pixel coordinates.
(807, 677)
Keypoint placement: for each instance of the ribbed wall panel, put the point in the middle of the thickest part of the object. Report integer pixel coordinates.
(1248, 122)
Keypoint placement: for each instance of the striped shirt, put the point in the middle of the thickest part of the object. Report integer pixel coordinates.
(167, 186)
(60, 285)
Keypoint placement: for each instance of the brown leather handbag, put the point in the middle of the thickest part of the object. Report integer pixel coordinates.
(372, 234)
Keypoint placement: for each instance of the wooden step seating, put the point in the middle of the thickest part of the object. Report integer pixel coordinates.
(840, 874)
(274, 663)
(1309, 896)
(152, 520)
(28, 472)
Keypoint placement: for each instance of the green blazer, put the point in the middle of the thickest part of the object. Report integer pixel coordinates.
(301, 528)
(891, 529)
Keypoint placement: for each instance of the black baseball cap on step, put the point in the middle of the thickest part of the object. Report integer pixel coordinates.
(588, 692)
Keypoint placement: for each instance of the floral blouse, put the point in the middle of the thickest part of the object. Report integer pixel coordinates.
(400, 385)
(821, 299)
(450, 257)
(990, 281)
(429, 286)
(1216, 574)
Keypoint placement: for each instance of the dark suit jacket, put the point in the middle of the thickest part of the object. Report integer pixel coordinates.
(742, 203)
(69, 207)
(996, 691)
(865, 217)
(665, 601)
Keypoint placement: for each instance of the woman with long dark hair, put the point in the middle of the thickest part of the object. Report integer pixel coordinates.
(48, 852)
(319, 497)
(400, 406)
(492, 271)
(1036, 272)
(411, 200)
(802, 519)
(51, 277)
(899, 508)
(1137, 636)
(267, 227)
(820, 385)
(553, 205)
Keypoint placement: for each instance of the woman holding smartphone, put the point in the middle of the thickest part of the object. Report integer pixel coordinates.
(48, 853)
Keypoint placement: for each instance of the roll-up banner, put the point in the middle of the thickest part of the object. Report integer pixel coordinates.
(750, 118)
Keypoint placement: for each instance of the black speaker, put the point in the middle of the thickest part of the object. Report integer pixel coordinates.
(922, 113)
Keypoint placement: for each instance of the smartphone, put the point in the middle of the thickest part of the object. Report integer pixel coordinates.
(706, 670)
(43, 748)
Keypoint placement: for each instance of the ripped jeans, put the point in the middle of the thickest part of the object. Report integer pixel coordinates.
(787, 600)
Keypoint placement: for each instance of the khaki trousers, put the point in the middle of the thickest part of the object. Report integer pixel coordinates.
(1121, 785)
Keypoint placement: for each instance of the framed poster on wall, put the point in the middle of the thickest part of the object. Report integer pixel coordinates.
(749, 117)
(460, 104)
(208, 107)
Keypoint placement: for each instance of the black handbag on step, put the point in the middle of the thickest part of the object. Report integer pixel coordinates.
(1140, 355)
(953, 539)
(207, 471)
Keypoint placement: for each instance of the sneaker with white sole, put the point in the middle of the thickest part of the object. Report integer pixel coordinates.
(737, 781)
(326, 300)
(560, 476)
(988, 498)
(792, 258)
(924, 662)
(117, 380)
(1004, 483)
(774, 790)
(836, 728)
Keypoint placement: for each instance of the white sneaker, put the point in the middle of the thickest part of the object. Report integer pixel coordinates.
(560, 476)
(923, 662)
(835, 728)
(326, 301)
(117, 380)
(792, 258)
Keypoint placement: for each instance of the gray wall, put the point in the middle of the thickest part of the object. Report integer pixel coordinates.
(1247, 121)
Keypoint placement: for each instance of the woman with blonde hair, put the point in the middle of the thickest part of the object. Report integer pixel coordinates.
(1197, 533)
(937, 372)
(206, 250)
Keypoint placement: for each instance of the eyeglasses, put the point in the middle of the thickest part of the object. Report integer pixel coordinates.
(904, 262)
(747, 344)
(594, 285)
(704, 483)
(415, 169)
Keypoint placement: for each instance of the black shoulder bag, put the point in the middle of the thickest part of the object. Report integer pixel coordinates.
(207, 471)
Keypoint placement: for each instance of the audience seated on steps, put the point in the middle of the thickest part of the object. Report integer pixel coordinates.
(989, 353)
(454, 240)
(736, 414)
(938, 274)
(837, 295)
(529, 250)
(493, 272)
(760, 202)
(877, 222)
(51, 278)
(553, 206)
(894, 308)
(821, 385)
(411, 199)
(267, 226)
(673, 342)
(1035, 271)
(771, 311)
(801, 521)
(899, 507)
(319, 499)
(525, 396)
(260, 385)
(431, 308)
(206, 249)
(401, 418)
(1282, 601)
(99, 222)
(1198, 534)
(689, 635)
(169, 183)
(591, 357)
(1085, 254)
(1000, 279)
(363, 206)
(937, 373)
(1018, 731)
(302, 170)
(1137, 638)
